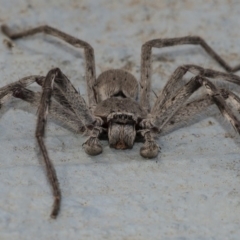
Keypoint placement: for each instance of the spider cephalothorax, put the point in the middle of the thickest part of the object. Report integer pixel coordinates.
(117, 106)
(113, 106)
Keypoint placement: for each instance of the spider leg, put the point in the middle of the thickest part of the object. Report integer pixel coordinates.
(40, 129)
(80, 109)
(145, 84)
(57, 110)
(187, 112)
(65, 93)
(171, 87)
(172, 106)
(197, 107)
(234, 99)
(59, 94)
(156, 121)
(6, 91)
(61, 110)
(219, 100)
(92, 145)
(90, 71)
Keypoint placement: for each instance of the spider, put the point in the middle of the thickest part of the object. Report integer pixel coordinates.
(113, 108)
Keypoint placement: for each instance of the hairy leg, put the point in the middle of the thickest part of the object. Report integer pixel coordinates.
(44, 106)
(40, 130)
(188, 111)
(7, 90)
(145, 84)
(65, 93)
(64, 90)
(57, 111)
(198, 106)
(175, 79)
(173, 105)
(90, 71)
(156, 122)
(174, 110)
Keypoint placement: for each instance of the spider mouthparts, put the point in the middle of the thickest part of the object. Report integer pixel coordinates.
(121, 145)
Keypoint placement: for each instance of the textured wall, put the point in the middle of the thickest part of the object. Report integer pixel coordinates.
(190, 192)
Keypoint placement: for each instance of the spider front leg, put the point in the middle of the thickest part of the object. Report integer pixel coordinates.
(40, 130)
(90, 72)
(145, 84)
(188, 111)
(153, 122)
(78, 105)
(164, 106)
(57, 110)
(175, 106)
(172, 106)
(176, 78)
(92, 146)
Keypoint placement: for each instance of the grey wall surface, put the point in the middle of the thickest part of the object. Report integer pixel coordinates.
(191, 191)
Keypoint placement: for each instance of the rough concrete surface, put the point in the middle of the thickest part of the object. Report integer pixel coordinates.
(191, 191)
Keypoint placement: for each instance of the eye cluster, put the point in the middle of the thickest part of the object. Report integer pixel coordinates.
(119, 117)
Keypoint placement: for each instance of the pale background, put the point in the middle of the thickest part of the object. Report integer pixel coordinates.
(191, 191)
